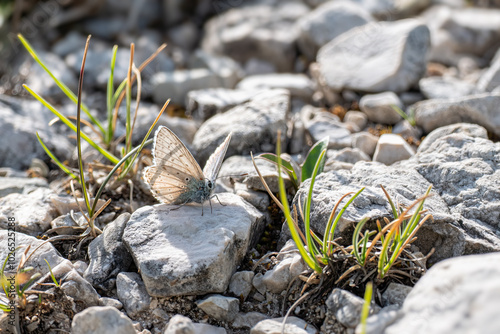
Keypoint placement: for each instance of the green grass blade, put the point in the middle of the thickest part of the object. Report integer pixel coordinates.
(340, 214)
(52, 274)
(288, 167)
(355, 242)
(307, 213)
(65, 89)
(314, 155)
(308, 259)
(109, 98)
(366, 306)
(67, 122)
(404, 115)
(56, 161)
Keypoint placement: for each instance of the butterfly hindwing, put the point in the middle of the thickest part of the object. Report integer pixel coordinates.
(214, 163)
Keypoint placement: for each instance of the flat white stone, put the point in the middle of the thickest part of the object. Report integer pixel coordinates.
(392, 148)
(181, 252)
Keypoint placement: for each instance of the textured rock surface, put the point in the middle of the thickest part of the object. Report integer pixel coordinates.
(269, 30)
(33, 212)
(464, 172)
(459, 295)
(316, 28)
(101, 320)
(180, 252)
(379, 107)
(108, 255)
(480, 109)
(377, 57)
(254, 126)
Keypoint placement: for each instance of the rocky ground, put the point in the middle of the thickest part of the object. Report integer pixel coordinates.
(309, 68)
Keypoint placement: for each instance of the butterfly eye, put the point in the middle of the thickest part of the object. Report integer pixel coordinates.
(209, 184)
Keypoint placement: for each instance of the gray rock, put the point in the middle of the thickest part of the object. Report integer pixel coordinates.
(204, 103)
(97, 65)
(346, 307)
(464, 173)
(242, 165)
(456, 32)
(37, 260)
(226, 68)
(185, 35)
(464, 170)
(20, 120)
(68, 220)
(270, 30)
(131, 291)
(11, 172)
(256, 66)
(377, 323)
(277, 279)
(365, 141)
(479, 109)
(328, 21)
(80, 266)
(181, 252)
(324, 124)
(71, 41)
(79, 289)
(182, 127)
(387, 10)
(406, 130)
(175, 85)
(106, 301)
(392, 148)
(456, 296)
(378, 107)
(395, 294)
(376, 57)
(33, 211)
(220, 307)
(293, 325)
(10, 185)
(180, 324)
(299, 84)
(289, 267)
(258, 199)
(241, 283)
(108, 255)
(258, 283)
(357, 118)
(350, 155)
(444, 87)
(471, 130)
(490, 79)
(254, 126)
(101, 320)
(248, 319)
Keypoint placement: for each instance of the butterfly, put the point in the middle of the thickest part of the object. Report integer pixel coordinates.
(175, 177)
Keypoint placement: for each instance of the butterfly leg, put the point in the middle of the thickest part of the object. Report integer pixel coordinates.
(215, 195)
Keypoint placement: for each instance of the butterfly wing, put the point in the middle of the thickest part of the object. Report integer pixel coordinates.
(213, 164)
(174, 167)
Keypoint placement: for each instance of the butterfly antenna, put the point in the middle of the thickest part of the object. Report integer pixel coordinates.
(233, 175)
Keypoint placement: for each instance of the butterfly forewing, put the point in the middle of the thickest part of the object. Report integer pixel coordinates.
(213, 164)
(174, 167)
